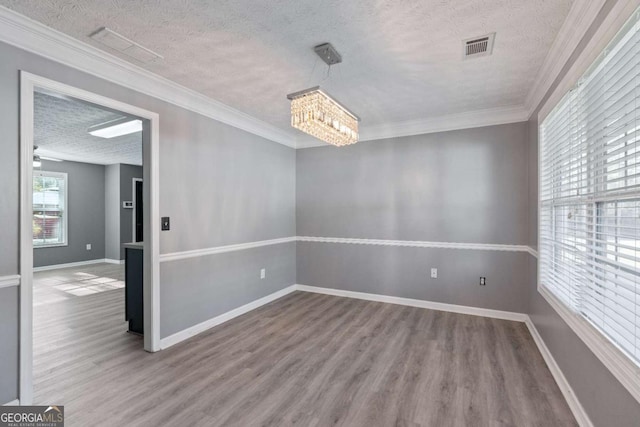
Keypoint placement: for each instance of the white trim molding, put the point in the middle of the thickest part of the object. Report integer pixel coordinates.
(174, 256)
(70, 265)
(581, 16)
(453, 308)
(12, 403)
(417, 244)
(151, 141)
(613, 22)
(114, 261)
(567, 391)
(9, 281)
(532, 251)
(466, 120)
(573, 402)
(621, 366)
(225, 317)
(35, 37)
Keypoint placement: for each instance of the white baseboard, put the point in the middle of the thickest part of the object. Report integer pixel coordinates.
(113, 261)
(462, 309)
(71, 264)
(208, 324)
(574, 404)
(12, 403)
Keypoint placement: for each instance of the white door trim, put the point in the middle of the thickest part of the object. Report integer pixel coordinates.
(135, 207)
(28, 83)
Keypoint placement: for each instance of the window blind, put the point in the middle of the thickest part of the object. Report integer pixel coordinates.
(590, 195)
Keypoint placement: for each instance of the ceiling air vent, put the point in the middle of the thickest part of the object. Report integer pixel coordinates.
(478, 46)
(122, 44)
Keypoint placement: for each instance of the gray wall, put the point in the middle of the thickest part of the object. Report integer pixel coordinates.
(463, 186)
(604, 399)
(227, 280)
(85, 183)
(460, 186)
(220, 185)
(112, 207)
(127, 173)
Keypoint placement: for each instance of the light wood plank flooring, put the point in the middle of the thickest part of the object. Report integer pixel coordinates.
(306, 359)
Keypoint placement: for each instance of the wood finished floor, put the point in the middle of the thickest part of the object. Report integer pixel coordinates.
(306, 359)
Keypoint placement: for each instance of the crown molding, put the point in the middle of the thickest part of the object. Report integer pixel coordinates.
(467, 120)
(616, 18)
(35, 37)
(575, 26)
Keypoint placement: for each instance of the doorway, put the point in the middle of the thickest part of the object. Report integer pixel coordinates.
(29, 85)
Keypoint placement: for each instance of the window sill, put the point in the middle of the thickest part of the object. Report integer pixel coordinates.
(56, 245)
(623, 368)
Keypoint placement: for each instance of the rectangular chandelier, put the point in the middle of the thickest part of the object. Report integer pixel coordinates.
(314, 112)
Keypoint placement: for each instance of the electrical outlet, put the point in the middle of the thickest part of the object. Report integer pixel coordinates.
(88, 246)
(165, 223)
(434, 273)
(483, 281)
(263, 273)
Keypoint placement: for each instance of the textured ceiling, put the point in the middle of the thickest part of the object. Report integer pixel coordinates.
(60, 127)
(402, 59)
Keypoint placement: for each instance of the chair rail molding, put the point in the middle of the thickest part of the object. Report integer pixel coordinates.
(9, 281)
(417, 244)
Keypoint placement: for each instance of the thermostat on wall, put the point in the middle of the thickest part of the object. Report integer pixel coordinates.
(127, 205)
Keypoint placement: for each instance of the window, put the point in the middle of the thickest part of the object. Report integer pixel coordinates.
(49, 209)
(590, 195)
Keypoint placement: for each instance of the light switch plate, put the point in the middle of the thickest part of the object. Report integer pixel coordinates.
(166, 223)
(434, 273)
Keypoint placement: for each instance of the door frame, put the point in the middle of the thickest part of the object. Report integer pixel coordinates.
(135, 207)
(150, 149)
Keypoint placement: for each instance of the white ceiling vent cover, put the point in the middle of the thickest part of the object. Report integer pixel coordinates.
(122, 44)
(478, 46)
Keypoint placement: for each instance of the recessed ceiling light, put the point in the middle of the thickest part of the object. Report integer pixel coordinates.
(116, 128)
(122, 44)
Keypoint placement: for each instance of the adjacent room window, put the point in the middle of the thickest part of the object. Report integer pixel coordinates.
(590, 195)
(49, 209)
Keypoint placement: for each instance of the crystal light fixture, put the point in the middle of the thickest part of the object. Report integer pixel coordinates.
(314, 112)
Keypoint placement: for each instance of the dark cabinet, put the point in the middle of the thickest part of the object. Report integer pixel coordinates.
(133, 306)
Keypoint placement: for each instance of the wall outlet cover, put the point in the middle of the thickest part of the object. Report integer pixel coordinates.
(88, 246)
(434, 273)
(263, 273)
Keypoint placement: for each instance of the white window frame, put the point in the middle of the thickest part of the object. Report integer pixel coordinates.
(612, 357)
(65, 210)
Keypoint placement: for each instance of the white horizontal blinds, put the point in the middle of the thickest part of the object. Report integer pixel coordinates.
(590, 195)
